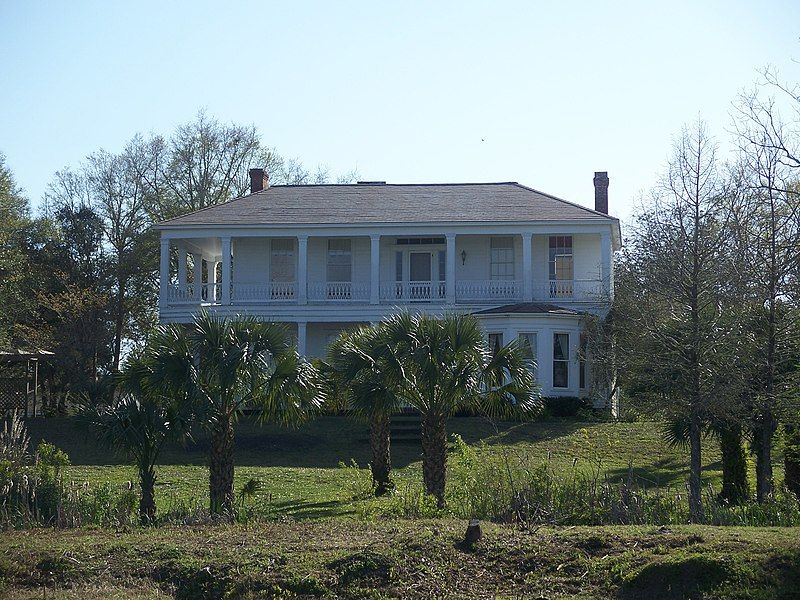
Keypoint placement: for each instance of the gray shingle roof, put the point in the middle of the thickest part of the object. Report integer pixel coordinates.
(389, 203)
(528, 308)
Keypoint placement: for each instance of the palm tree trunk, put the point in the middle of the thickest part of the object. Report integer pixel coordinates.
(791, 460)
(221, 468)
(434, 455)
(147, 503)
(695, 464)
(735, 489)
(379, 440)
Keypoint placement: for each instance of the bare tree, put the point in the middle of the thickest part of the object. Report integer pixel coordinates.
(120, 196)
(671, 332)
(766, 218)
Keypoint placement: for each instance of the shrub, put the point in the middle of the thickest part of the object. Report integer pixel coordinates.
(565, 406)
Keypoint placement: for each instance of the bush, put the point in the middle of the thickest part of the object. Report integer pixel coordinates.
(33, 491)
(565, 406)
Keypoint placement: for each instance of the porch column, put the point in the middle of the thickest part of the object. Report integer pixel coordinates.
(213, 292)
(198, 275)
(225, 258)
(450, 268)
(182, 273)
(527, 266)
(163, 282)
(302, 332)
(605, 263)
(375, 268)
(302, 270)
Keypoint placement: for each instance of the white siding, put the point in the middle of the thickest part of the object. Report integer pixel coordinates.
(586, 251)
(251, 260)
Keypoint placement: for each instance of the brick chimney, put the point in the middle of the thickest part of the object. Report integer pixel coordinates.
(259, 180)
(601, 191)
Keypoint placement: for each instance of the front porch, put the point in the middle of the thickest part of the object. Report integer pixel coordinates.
(381, 269)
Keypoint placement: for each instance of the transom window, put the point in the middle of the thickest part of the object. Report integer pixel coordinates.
(560, 360)
(502, 258)
(420, 241)
(561, 264)
(340, 260)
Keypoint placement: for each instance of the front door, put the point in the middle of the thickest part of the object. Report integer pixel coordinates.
(419, 274)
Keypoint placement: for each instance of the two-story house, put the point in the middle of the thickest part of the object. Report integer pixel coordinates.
(323, 258)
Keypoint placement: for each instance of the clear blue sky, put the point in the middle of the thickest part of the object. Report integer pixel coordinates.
(543, 93)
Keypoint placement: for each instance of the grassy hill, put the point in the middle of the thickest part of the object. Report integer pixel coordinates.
(299, 469)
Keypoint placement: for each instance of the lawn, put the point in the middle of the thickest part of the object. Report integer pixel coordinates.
(317, 541)
(300, 474)
(387, 558)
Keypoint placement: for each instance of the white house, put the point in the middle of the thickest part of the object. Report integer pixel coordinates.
(322, 258)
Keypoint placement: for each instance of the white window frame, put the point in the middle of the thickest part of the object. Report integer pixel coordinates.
(339, 253)
(566, 360)
(561, 260)
(501, 259)
(534, 350)
(489, 335)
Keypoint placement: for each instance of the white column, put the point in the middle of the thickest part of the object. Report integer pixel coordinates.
(198, 275)
(605, 263)
(527, 266)
(225, 284)
(182, 272)
(163, 284)
(375, 268)
(450, 268)
(302, 269)
(302, 333)
(211, 267)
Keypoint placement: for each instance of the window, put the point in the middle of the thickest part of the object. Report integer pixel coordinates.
(398, 266)
(495, 342)
(560, 360)
(419, 241)
(561, 267)
(501, 251)
(281, 265)
(528, 344)
(442, 265)
(582, 358)
(340, 260)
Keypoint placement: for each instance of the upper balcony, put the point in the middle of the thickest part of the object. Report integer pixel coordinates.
(470, 269)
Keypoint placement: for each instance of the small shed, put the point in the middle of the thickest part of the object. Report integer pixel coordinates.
(19, 380)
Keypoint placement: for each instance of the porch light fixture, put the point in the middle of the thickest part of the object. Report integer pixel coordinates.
(463, 257)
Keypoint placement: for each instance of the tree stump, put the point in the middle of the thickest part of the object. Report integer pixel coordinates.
(473, 534)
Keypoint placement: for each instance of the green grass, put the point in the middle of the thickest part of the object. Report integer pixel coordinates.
(299, 472)
(359, 559)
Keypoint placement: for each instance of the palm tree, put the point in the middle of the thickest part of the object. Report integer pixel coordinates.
(224, 365)
(138, 423)
(441, 365)
(355, 364)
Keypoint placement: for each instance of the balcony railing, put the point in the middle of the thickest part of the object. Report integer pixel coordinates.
(274, 291)
(338, 291)
(483, 290)
(467, 292)
(585, 290)
(413, 291)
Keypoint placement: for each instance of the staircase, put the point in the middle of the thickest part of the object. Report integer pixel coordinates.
(406, 428)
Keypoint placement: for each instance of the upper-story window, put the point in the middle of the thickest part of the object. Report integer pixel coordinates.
(340, 260)
(281, 264)
(561, 263)
(501, 252)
